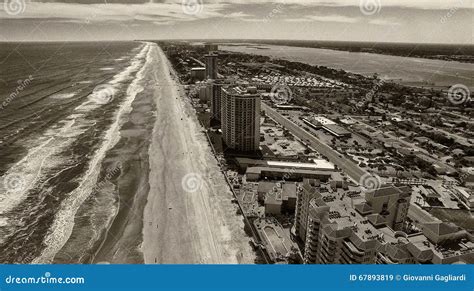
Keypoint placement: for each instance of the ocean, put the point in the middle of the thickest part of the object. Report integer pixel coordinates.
(60, 111)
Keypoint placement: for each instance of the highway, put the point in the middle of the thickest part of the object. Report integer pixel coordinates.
(348, 166)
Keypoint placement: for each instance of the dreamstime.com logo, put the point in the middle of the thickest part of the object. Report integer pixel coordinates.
(451, 12)
(459, 94)
(13, 183)
(370, 181)
(45, 279)
(281, 94)
(370, 7)
(103, 94)
(22, 84)
(192, 182)
(373, 91)
(275, 11)
(14, 7)
(192, 7)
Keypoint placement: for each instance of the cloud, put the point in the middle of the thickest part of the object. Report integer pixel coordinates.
(112, 12)
(417, 4)
(384, 22)
(324, 18)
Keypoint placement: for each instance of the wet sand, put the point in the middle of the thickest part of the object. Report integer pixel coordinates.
(199, 225)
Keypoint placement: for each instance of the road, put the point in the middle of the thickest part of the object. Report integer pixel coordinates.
(349, 167)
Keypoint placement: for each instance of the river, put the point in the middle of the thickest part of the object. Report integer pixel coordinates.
(404, 70)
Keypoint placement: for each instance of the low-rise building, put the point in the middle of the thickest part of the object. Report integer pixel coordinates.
(278, 197)
(465, 196)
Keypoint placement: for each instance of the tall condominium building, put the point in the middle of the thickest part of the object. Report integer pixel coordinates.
(342, 227)
(310, 189)
(240, 118)
(215, 98)
(211, 66)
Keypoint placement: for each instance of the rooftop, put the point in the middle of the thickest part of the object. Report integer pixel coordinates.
(241, 91)
(317, 164)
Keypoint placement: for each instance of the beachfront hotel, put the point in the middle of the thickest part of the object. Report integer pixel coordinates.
(240, 120)
(340, 226)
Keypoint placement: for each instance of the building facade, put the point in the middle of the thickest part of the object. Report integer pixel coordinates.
(211, 66)
(240, 118)
(215, 98)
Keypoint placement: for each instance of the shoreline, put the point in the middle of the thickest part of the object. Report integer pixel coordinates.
(197, 226)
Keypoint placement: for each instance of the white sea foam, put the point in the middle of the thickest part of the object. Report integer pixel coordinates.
(64, 219)
(40, 157)
(63, 95)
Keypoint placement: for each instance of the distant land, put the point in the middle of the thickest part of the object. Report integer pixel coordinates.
(447, 52)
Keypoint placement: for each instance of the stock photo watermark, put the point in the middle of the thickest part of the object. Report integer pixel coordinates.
(192, 7)
(281, 93)
(275, 11)
(14, 7)
(451, 12)
(103, 94)
(370, 7)
(459, 94)
(192, 182)
(45, 279)
(22, 84)
(370, 181)
(14, 183)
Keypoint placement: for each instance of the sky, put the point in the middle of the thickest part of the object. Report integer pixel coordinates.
(414, 21)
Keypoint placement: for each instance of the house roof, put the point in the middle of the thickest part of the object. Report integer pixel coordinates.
(363, 208)
(441, 228)
(376, 219)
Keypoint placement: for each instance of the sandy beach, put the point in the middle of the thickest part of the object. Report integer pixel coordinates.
(198, 224)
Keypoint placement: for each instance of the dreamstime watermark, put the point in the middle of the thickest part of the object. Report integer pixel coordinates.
(370, 181)
(451, 12)
(22, 84)
(110, 173)
(14, 7)
(13, 183)
(103, 94)
(275, 11)
(281, 93)
(90, 18)
(192, 182)
(279, 185)
(192, 7)
(459, 94)
(371, 94)
(47, 278)
(370, 7)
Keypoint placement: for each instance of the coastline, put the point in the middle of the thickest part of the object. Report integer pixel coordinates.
(197, 226)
